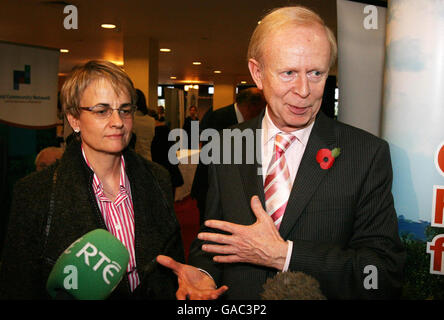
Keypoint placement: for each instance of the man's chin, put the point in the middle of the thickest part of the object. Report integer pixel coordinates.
(297, 124)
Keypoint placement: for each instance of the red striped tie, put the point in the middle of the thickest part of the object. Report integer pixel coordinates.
(278, 182)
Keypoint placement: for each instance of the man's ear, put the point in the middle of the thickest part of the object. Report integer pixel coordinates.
(73, 122)
(256, 72)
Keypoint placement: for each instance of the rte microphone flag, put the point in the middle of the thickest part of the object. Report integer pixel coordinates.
(90, 268)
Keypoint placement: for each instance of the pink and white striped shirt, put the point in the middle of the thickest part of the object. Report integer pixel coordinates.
(119, 217)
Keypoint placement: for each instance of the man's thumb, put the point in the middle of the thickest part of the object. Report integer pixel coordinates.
(168, 262)
(257, 208)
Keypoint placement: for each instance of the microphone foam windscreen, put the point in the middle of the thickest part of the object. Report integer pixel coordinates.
(90, 268)
(292, 286)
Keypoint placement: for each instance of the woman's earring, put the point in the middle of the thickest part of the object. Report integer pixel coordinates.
(76, 130)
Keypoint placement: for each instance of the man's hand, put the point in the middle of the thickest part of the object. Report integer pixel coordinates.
(193, 283)
(259, 243)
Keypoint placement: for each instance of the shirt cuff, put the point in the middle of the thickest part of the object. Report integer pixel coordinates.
(202, 270)
(288, 258)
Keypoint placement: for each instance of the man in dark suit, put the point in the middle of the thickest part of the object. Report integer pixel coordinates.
(249, 104)
(331, 216)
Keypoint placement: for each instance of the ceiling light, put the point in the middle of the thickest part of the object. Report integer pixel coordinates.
(64, 50)
(217, 71)
(243, 82)
(117, 63)
(173, 78)
(108, 26)
(165, 50)
(197, 63)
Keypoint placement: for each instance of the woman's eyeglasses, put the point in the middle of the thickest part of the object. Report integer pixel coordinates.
(102, 111)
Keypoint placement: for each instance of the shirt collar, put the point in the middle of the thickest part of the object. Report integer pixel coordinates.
(270, 130)
(239, 116)
(97, 184)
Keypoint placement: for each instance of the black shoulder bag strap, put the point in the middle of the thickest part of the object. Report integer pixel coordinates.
(51, 211)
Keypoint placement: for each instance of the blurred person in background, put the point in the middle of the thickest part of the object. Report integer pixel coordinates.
(143, 128)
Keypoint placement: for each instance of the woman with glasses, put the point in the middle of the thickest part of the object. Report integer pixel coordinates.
(98, 184)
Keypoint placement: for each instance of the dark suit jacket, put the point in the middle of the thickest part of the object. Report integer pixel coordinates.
(26, 263)
(340, 220)
(222, 118)
(159, 154)
(219, 119)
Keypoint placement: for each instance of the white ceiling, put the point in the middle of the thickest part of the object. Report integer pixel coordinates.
(215, 32)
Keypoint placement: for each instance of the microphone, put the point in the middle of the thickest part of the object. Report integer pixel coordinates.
(90, 268)
(292, 286)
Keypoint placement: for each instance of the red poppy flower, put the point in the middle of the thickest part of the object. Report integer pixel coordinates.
(326, 157)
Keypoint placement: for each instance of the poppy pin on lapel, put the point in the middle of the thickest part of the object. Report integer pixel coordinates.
(326, 157)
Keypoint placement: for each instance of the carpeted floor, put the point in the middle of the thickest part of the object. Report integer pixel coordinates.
(188, 216)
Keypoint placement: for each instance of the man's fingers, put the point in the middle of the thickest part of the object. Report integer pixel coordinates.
(169, 263)
(216, 237)
(219, 292)
(233, 228)
(227, 259)
(222, 225)
(181, 294)
(221, 249)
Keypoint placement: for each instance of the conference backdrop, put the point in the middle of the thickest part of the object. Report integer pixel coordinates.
(28, 85)
(28, 113)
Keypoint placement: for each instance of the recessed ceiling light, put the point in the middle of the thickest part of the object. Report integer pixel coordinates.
(108, 25)
(165, 50)
(64, 50)
(217, 71)
(173, 78)
(243, 82)
(197, 63)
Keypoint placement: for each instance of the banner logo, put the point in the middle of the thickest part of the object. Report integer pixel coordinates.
(436, 247)
(22, 77)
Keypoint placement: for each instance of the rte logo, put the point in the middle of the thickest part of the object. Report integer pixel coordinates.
(90, 255)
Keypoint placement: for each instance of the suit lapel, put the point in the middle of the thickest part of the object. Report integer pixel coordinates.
(251, 174)
(310, 174)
